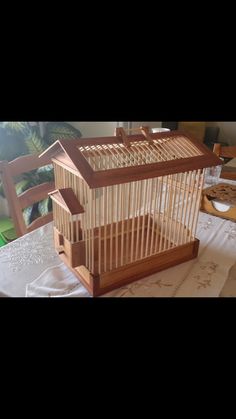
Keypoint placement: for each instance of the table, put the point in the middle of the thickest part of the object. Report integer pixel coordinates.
(30, 267)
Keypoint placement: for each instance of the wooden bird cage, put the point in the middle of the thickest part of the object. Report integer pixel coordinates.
(127, 206)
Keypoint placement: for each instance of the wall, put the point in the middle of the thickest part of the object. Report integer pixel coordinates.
(147, 123)
(99, 129)
(95, 129)
(227, 131)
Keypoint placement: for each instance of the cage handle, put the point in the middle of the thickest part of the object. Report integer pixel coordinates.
(120, 133)
(146, 132)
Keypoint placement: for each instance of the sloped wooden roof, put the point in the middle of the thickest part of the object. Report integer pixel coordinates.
(109, 161)
(67, 200)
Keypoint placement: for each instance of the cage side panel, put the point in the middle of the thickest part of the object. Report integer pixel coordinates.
(124, 229)
(78, 227)
(178, 218)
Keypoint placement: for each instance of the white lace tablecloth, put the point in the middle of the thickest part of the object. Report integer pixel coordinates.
(30, 267)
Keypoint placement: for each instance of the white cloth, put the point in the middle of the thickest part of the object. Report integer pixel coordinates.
(229, 289)
(33, 260)
(56, 281)
(216, 256)
(201, 277)
(23, 260)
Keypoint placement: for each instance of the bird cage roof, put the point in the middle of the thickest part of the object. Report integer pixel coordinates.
(114, 160)
(67, 200)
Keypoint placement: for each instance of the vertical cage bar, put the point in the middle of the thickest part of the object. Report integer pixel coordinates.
(105, 227)
(121, 224)
(71, 229)
(65, 222)
(133, 212)
(116, 240)
(164, 211)
(92, 191)
(139, 213)
(111, 227)
(154, 205)
(168, 209)
(99, 229)
(128, 221)
(54, 213)
(89, 230)
(183, 190)
(150, 200)
(58, 218)
(186, 203)
(189, 210)
(178, 190)
(145, 202)
(199, 189)
(172, 208)
(86, 224)
(159, 205)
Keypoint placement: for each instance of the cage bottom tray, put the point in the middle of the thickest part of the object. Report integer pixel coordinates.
(99, 284)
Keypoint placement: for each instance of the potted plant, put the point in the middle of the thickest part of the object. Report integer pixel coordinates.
(21, 138)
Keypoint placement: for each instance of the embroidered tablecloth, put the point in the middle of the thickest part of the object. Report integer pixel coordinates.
(30, 267)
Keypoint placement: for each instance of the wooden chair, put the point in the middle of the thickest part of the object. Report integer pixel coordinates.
(8, 170)
(228, 152)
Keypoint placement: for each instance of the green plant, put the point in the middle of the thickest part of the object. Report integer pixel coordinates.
(20, 138)
(58, 131)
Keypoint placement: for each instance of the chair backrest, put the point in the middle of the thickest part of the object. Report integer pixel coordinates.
(8, 170)
(229, 152)
(173, 126)
(224, 151)
(211, 135)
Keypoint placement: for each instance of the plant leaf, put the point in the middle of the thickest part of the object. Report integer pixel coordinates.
(17, 126)
(27, 214)
(44, 206)
(45, 174)
(1, 190)
(22, 186)
(31, 213)
(60, 131)
(35, 143)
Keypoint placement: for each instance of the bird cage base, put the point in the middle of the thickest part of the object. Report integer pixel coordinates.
(74, 253)
(99, 284)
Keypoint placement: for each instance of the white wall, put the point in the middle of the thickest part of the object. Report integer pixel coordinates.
(147, 124)
(100, 129)
(227, 129)
(95, 129)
